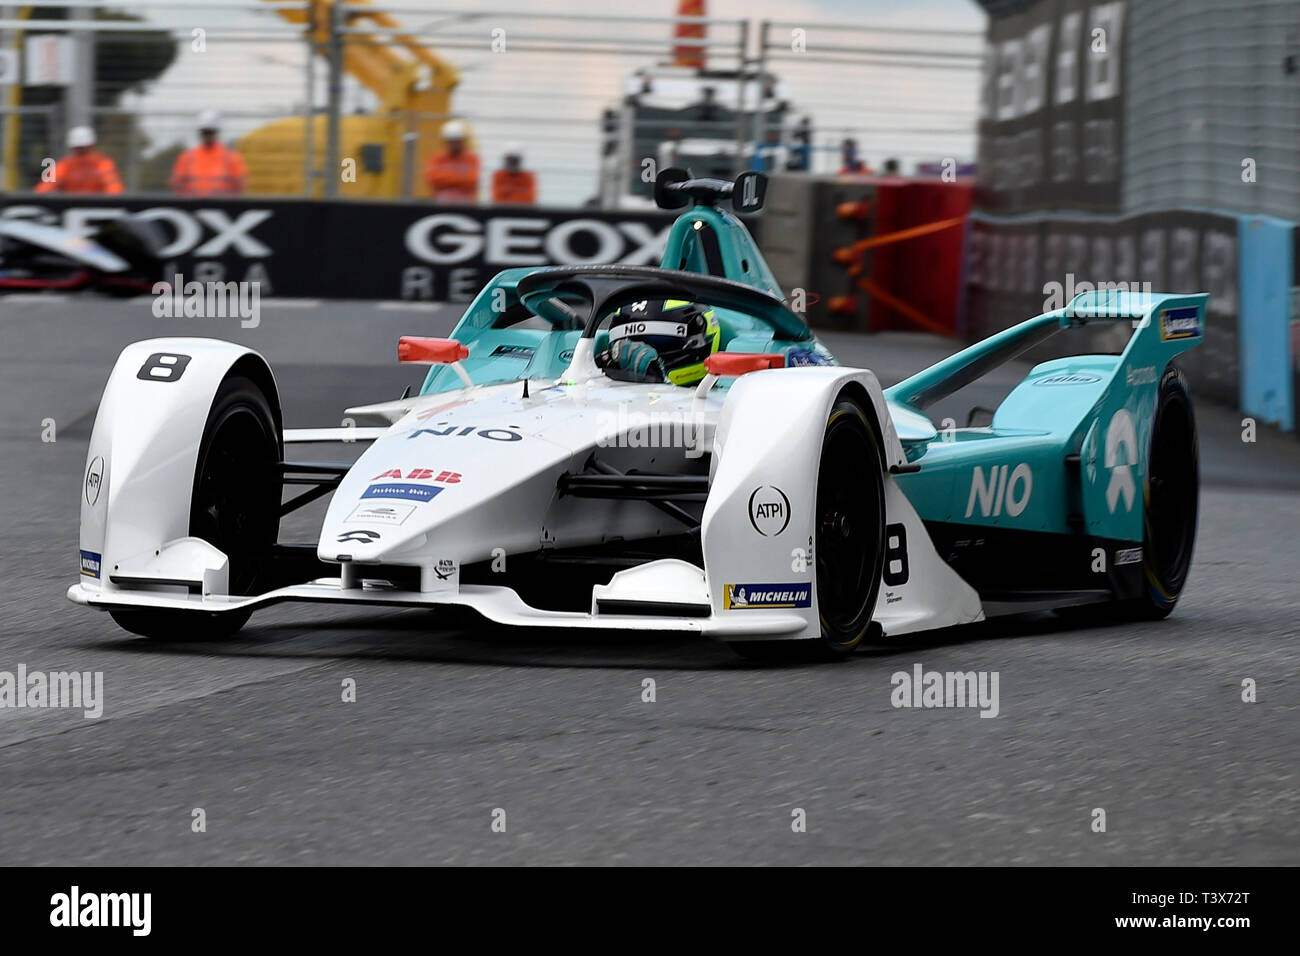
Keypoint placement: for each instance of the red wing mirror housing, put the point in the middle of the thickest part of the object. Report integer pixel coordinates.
(738, 363)
(426, 351)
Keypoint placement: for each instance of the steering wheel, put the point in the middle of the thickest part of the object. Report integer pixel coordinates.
(564, 295)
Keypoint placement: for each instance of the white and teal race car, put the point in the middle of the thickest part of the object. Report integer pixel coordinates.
(782, 503)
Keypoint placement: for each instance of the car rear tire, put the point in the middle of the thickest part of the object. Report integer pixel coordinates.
(849, 541)
(234, 505)
(1170, 500)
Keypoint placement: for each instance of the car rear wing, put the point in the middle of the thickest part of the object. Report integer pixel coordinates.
(1164, 325)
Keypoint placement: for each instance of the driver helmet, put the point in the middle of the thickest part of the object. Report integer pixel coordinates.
(663, 340)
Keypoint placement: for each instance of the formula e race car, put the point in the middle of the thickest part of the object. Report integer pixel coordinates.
(772, 499)
(122, 257)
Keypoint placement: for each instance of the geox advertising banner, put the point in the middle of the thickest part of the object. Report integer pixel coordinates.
(1014, 270)
(362, 250)
(1052, 107)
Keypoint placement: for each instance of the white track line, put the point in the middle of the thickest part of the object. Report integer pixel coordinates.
(396, 306)
(20, 298)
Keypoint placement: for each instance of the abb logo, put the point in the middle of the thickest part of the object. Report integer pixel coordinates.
(422, 474)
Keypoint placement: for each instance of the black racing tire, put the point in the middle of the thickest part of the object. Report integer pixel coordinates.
(234, 505)
(1170, 500)
(849, 541)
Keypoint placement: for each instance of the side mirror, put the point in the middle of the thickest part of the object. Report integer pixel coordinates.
(749, 192)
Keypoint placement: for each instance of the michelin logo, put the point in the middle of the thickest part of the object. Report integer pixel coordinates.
(90, 564)
(737, 597)
(1180, 324)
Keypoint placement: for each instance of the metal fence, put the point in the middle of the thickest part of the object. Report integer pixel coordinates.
(326, 98)
(909, 95)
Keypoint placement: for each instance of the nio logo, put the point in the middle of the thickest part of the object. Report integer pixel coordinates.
(495, 434)
(996, 490)
(94, 479)
(1121, 455)
(364, 537)
(769, 510)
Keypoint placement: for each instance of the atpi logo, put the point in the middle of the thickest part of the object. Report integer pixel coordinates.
(769, 510)
(94, 479)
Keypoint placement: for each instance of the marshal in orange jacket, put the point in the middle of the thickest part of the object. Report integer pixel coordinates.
(452, 178)
(209, 170)
(89, 172)
(517, 188)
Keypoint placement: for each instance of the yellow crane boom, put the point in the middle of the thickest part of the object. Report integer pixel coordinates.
(414, 86)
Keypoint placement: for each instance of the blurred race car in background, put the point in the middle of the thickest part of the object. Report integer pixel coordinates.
(780, 503)
(122, 257)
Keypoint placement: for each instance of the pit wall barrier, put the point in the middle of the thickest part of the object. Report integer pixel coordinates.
(355, 249)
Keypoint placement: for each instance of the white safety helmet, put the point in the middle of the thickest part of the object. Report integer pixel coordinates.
(80, 136)
(453, 129)
(513, 149)
(209, 119)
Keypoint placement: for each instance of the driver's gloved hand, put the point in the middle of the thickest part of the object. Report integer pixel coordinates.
(638, 358)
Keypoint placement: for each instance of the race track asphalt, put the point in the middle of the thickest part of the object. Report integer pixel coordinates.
(455, 720)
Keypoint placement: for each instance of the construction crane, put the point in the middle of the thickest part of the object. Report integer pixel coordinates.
(387, 147)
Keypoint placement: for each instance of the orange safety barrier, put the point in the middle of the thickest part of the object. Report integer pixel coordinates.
(853, 258)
